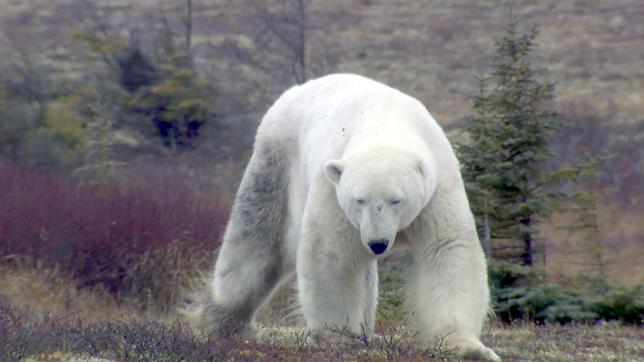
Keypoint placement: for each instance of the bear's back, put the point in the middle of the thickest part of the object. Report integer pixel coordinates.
(318, 119)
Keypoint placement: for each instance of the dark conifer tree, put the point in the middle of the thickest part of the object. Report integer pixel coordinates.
(503, 163)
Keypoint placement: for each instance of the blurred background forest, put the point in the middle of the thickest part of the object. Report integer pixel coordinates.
(125, 126)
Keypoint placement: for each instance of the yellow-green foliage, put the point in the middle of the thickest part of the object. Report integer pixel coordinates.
(99, 45)
(391, 309)
(182, 94)
(62, 121)
(63, 130)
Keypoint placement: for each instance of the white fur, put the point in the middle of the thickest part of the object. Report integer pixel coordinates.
(360, 162)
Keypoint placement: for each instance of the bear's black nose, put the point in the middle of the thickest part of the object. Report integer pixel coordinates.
(378, 246)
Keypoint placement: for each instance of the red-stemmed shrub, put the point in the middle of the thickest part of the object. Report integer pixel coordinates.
(143, 240)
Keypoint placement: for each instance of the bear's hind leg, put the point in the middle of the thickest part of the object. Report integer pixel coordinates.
(250, 263)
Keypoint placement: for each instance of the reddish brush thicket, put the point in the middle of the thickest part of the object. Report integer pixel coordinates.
(124, 238)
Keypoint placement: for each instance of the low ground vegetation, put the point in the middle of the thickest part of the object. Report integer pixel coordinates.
(519, 294)
(64, 338)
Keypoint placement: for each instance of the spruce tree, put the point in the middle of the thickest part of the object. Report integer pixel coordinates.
(503, 163)
(475, 164)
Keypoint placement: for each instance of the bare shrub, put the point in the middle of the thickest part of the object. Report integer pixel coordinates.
(141, 241)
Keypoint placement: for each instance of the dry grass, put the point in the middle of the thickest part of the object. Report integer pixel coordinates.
(43, 291)
(568, 256)
(528, 342)
(48, 318)
(147, 341)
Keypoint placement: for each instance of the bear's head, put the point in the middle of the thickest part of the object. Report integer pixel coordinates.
(382, 190)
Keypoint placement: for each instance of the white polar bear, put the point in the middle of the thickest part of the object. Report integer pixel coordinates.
(343, 170)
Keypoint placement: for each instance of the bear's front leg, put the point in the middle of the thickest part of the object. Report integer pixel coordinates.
(448, 292)
(448, 295)
(337, 283)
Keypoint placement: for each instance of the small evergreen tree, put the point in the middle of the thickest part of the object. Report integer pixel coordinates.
(503, 164)
(163, 90)
(177, 104)
(175, 99)
(99, 163)
(475, 164)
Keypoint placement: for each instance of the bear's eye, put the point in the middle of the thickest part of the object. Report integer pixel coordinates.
(360, 201)
(394, 201)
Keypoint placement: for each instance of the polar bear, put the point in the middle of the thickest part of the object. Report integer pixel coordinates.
(343, 170)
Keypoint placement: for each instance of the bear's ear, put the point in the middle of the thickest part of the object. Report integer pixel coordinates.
(334, 170)
(428, 171)
(420, 168)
